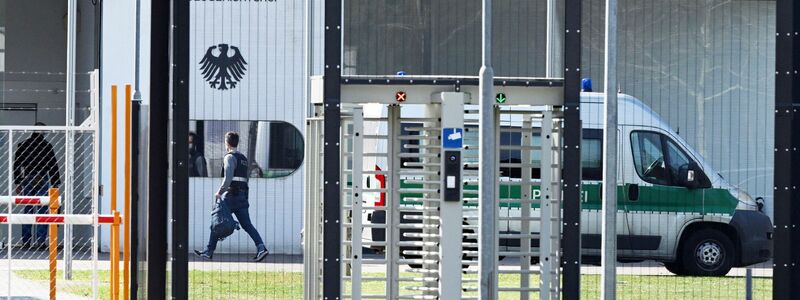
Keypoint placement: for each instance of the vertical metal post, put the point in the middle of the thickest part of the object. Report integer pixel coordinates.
(357, 177)
(450, 212)
(52, 241)
(526, 199)
(552, 25)
(310, 223)
(609, 222)
(95, 89)
(392, 236)
(180, 156)
(161, 68)
(571, 238)
(786, 257)
(72, 15)
(748, 284)
(557, 201)
(10, 236)
(138, 143)
(431, 213)
(546, 248)
(332, 239)
(487, 159)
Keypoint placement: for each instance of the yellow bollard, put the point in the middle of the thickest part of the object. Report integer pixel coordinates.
(53, 237)
(126, 229)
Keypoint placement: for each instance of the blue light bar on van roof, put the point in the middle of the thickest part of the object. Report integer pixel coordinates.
(586, 84)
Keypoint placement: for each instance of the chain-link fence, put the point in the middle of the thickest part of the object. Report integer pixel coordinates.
(34, 160)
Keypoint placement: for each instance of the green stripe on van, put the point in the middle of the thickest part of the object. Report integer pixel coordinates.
(651, 198)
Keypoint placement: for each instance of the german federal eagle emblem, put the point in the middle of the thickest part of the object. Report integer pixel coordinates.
(222, 71)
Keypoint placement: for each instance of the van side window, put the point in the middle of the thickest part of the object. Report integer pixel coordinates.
(510, 156)
(648, 157)
(592, 154)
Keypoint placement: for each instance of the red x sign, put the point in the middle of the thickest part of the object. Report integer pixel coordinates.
(400, 96)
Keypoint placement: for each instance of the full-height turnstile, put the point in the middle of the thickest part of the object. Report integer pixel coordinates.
(409, 188)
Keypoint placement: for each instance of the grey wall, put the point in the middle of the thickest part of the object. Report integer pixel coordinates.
(35, 45)
(442, 37)
(707, 67)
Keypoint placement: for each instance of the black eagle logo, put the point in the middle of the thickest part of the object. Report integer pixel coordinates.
(223, 71)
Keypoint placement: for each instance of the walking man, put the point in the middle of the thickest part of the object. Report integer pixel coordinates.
(35, 171)
(234, 191)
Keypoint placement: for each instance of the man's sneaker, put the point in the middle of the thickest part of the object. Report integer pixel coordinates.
(203, 254)
(261, 255)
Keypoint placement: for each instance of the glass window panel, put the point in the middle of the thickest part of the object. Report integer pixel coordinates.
(273, 148)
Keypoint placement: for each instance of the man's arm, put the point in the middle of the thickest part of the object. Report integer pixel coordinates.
(229, 165)
(18, 160)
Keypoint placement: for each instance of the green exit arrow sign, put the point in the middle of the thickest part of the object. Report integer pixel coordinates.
(500, 98)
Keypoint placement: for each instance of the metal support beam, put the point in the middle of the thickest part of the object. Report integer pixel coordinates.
(451, 208)
(392, 236)
(160, 69)
(487, 159)
(786, 266)
(180, 157)
(69, 166)
(546, 209)
(358, 176)
(571, 238)
(608, 247)
(332, 236)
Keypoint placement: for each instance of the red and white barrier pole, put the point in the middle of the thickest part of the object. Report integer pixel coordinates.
(25, 200)
(54, 219)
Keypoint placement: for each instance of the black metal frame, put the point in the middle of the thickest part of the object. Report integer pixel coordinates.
(786, 268)
(571, 238)
(135, 180)
(155, 272)
(180, 157)
(331, 249)
(454, 81)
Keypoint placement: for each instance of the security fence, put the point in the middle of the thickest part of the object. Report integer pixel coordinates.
(695, 145)
(35, 162)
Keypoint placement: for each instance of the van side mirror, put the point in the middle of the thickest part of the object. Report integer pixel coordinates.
(693, 176)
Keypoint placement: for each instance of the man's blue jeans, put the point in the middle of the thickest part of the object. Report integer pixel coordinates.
(34, 189)
(239, 206)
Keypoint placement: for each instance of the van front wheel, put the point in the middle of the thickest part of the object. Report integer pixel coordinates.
(707, 252)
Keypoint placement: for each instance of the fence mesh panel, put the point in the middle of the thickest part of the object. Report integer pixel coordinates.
(32, 162)
(699, 75)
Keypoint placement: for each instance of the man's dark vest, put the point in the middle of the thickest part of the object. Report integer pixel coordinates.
(239, 182)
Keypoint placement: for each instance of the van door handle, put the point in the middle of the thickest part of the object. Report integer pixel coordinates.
(633, 192)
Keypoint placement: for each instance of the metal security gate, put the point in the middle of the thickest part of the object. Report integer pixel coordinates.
(409, 181)
(49, 186)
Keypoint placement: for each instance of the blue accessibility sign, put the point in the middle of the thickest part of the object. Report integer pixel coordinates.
(452, 138)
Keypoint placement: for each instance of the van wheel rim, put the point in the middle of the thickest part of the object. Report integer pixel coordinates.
(709, 254)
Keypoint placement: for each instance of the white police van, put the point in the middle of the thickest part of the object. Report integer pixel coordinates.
(672, 206)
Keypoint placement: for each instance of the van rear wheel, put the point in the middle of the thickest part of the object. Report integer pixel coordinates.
(707, 252)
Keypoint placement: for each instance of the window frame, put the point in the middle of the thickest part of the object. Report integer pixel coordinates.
(593, 134)
(664, 139)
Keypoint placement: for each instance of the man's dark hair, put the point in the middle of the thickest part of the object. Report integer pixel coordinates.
(232, 139)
